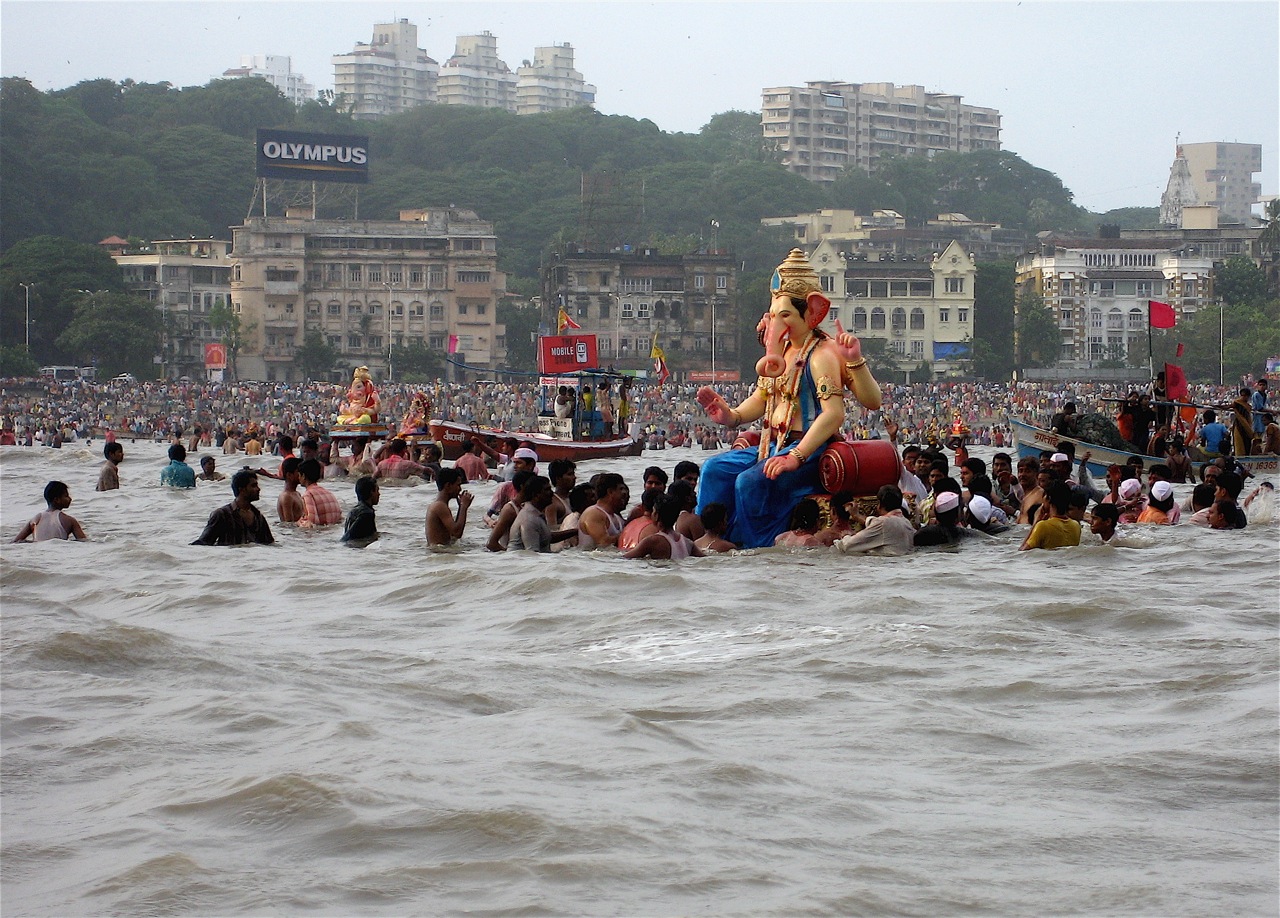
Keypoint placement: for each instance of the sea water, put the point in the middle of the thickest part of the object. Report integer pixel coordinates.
(314, 729)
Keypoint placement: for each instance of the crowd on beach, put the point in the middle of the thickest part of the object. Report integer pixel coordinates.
(938, 499)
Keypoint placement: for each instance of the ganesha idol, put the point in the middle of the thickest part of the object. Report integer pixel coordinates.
(361, 405)
(800, 400)
(415, 422)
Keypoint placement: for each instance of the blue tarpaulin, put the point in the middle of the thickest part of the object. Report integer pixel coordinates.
(950, 350)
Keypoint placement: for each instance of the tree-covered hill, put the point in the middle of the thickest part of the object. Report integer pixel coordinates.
(153, 161)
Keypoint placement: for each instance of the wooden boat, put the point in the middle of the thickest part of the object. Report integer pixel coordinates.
(375, 431)
(1031, 441)
(452, 434)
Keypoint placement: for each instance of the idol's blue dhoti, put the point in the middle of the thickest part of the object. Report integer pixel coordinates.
(759, 509)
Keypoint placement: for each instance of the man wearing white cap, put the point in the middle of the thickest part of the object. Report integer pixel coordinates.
(1159, 508)
(946, 531)
(522, 460)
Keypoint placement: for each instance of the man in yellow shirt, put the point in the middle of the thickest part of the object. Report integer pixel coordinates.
(1059, 530)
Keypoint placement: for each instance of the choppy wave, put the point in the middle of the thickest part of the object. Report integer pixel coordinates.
(312, 729)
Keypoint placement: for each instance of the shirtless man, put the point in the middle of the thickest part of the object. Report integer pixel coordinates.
(109, 477)
(209, 471)
(289, 504)
(564, 475)
(715, 520)
(601, 523)
(53, 523)
(443, 528)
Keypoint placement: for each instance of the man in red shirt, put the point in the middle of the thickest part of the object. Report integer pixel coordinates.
(320, 507)
(397, 464)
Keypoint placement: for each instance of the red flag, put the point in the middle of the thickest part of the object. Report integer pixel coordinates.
(1175, 383)
(563, 322)
(1180, 350)
(1161, 315)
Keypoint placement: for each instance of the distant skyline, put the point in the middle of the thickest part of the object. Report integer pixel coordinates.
(1096, 93)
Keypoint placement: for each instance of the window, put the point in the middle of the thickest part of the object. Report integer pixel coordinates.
(1065, 287)
(375, 274)
(1189, 288)
(335, 309)
(333, 274)
(879, 289)
(397, 309)
(416, 275)
(375, 341)
(415, 310)
(437, 310)
(354, 274)
(897, 288)
(921, 288)
(699, 282)
(436, 342)
(1065, 318)
(395, 276)
(473, 277)
(899, 319)
(877, 318)
(354, 341)
(313, 308)
(314, 275)
(644, 311)
(1144, 288)
(604, 307)
(627, 310)
(828, 283)
(1095, 320)
(354, 309)
(963, 315)
(1136, 319)
(944, 314)
(435, 276)
(955, 285)
(482, 309)
(917, 318)
(604, 278)
(917, 350)
(722, 282)
(1115, 319)
(462, 309)
(335, 341)
(859, 319)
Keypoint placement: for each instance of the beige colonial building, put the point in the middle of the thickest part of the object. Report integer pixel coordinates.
(367, 285)
(1098, 289)
(823, 128)
(1222, 176)
(625, 298)
(186, 279)
(922, 307)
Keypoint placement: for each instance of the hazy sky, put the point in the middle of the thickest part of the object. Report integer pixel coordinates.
(1094, 92)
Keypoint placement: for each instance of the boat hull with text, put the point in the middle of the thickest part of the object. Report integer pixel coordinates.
(452, 434)
(1031, 441)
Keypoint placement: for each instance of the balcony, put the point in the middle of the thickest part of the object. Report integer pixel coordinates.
(281, 288)
(278, 353)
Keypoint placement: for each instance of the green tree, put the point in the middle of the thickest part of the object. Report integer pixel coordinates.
(15, 361)
(1039, 342)
(116, 332)
(521, 318)
(993, 316)
(315, 357)
(417, 364)
(56, 268)
(233, 332)
(1239, 282)
(1247, 336)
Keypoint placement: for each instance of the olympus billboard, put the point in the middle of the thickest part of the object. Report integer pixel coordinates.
(312, 157)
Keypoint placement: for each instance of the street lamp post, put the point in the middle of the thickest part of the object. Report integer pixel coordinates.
(713, 339)
(27, 288)
(389, 287)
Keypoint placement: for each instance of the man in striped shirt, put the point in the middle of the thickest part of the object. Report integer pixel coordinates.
(320, 507)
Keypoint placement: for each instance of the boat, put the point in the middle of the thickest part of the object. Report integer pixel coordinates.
(1030, 440)
(452, 434)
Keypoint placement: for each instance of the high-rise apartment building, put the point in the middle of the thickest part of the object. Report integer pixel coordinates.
(276, 69)
(825, 128)
(390, 74)
(551, 83)
(427, 279)
(1222, 175)
(1097, 290)
(625, 298)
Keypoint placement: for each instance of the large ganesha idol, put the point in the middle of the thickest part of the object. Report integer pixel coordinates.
(799, 398)
(361, 405)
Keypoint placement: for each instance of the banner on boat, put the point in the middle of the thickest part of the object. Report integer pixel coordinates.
(312, 157)
(567, 353)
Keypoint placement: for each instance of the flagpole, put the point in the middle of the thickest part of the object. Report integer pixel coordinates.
(1151, 360)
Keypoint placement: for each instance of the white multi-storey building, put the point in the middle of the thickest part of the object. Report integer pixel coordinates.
(276, 69)
(1222, 175)
(551, 83)
(1097, 290)
(390, 74)
(366, 285)
(475, 75)
(825, 128)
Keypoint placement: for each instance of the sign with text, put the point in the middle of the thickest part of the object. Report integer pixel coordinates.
(567, 353)
(312, 157)
(718, 376)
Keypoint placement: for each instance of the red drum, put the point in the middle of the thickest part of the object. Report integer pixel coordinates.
(748, 439)
(861, 467)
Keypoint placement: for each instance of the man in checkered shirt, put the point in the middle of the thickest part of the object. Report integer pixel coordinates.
(320, 507)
